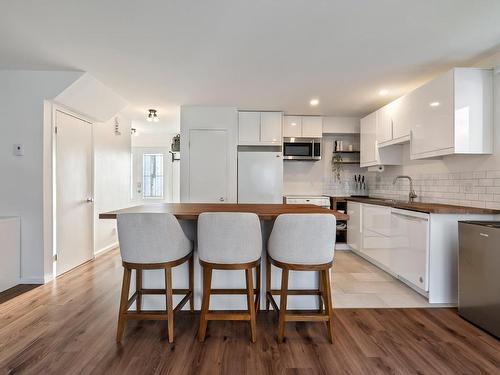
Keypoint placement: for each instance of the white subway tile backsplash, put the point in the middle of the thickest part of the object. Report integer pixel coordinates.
(469, 188)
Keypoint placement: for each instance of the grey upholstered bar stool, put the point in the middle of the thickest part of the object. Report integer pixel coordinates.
(302, 242)
(229, 241)
(152, 241)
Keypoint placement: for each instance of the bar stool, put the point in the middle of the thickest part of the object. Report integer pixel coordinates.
(301, 242)
(229, 241)
(152, 241)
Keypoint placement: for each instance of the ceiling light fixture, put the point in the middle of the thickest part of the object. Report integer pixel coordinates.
(152, 116)
(383, 92)
(434, 104)
(314, 102)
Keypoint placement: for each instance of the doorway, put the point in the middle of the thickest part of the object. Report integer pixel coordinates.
(74, 191)
(152, 175)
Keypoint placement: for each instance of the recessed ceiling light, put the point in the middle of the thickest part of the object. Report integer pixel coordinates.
(293, 124)
(314, 102)
(383, 92)
(434, 104)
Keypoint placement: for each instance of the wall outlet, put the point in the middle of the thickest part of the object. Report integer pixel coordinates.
(18, 150)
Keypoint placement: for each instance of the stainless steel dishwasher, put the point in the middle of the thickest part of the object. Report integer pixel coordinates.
(479, 274)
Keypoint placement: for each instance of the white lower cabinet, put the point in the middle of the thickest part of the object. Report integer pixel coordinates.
(354, 228)
(376, 226)
(420, 249)
(398, 241)
(410, 247)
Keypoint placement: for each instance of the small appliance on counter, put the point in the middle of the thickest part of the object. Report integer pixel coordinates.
(479, 274)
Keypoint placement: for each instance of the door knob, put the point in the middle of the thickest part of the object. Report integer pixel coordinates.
(90, 200)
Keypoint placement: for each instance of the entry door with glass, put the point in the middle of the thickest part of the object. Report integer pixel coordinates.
(150, 174)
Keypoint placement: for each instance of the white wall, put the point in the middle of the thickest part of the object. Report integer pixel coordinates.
(22, 95)
(112, 158)
(316, 178)
(194, 117)
(475, 169)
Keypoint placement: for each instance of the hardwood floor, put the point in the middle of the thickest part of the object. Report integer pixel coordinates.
(69, 326)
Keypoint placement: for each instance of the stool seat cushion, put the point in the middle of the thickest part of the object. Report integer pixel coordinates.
(229, 237)
(304, 239)
(147, 238)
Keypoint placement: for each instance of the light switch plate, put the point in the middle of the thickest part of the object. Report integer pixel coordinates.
(18, 150)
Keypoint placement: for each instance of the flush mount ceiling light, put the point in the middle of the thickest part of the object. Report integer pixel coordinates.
(383, 92)
(152, 116)
(314, 102)
(434, 104)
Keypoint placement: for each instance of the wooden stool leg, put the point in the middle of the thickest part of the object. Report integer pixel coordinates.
(328, 302)
(169, 304)
(191, 283)
(138, 288)
(257, 288)
(250, 304)
(268, 282)
(123, 303)
(207, 285)
(283, 299)
(320, 287)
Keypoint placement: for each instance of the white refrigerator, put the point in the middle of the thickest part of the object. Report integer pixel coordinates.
(260, 176)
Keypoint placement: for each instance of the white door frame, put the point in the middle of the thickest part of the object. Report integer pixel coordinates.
(60, 108)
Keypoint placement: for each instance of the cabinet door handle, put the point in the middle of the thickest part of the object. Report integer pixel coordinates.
(410, 217)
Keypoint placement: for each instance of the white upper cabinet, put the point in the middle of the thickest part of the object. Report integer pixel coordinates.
(384, 124)
(453, 114)
(370, 153)
(303, 126)
(270, 127)
(292, 126)
(248, 127)
(259, 128)
(312, 126)
(368, 140)
(401, 114)
(393, 123)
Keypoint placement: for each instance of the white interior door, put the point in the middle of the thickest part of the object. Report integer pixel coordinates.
(74, 192)
(208, 166)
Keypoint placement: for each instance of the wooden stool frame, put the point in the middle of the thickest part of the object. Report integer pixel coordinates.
(139, 314)
(323, 292)
(253, 296)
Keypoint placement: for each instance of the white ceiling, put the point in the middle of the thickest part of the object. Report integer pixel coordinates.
(273, 54)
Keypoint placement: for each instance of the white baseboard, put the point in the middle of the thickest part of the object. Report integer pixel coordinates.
(106, 249)
(31, 280)
(342, 246)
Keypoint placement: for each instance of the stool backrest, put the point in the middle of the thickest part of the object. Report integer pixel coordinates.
(303, 238)
(151, 238)
(229, 237)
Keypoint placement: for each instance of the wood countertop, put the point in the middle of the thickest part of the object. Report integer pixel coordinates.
(190, 211)
(430, 208)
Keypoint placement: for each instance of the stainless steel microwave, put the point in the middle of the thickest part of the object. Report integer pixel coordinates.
(302, 149)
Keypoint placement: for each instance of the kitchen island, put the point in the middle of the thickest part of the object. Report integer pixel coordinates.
(187, 214)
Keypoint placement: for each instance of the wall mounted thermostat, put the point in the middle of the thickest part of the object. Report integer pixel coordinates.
(18, 150)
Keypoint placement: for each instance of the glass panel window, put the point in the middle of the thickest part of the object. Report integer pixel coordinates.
(152, 178)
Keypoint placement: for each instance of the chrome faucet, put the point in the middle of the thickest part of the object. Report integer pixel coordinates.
(412, 195)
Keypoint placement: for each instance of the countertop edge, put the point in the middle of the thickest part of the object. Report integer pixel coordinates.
(428, 208)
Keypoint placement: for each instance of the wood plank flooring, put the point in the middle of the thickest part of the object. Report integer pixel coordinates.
(68, 327)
